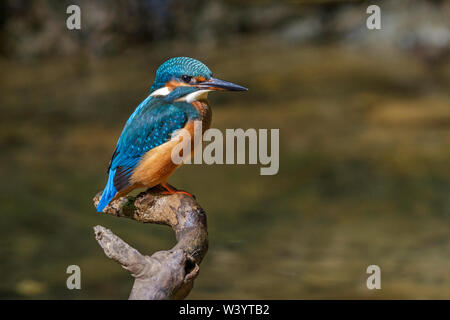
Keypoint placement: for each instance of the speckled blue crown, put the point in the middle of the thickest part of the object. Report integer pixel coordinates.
(176, 67)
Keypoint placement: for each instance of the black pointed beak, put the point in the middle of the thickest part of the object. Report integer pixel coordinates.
(217, 84)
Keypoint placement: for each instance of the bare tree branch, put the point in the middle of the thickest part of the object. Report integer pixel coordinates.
(166, 274)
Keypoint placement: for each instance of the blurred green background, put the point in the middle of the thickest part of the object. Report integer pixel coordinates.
(364, 120)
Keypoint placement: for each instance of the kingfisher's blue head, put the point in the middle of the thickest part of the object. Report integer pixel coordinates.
(187, 72)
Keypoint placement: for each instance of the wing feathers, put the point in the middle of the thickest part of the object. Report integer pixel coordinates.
(122, 177)
(151, 125)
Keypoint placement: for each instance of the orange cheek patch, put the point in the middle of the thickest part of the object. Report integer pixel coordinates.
(200, 79)
(172, 84)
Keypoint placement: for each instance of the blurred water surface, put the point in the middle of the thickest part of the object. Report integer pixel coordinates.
(363, 176)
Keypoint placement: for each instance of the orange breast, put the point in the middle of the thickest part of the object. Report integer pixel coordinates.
(204, 110)
(156, 166)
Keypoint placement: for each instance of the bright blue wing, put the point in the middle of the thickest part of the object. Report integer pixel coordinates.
(150, 125)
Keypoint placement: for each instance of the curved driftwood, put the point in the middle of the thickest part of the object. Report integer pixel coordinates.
(166, 274)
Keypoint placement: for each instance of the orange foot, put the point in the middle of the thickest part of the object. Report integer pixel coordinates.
(172, 190)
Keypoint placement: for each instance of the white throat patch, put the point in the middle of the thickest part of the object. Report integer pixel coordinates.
(164, 91)
(189, 98)
(194, 96)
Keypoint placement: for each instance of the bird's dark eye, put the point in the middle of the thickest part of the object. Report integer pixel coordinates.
(186, 78)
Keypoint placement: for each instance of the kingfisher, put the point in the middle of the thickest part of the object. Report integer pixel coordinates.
(178, 97)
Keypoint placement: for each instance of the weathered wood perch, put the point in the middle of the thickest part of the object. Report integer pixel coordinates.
(166, 274)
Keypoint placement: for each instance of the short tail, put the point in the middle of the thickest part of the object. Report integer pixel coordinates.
(109, 192)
